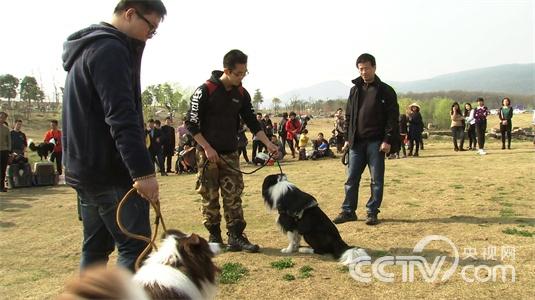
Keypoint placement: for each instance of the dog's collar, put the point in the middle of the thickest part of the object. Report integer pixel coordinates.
(300, 214)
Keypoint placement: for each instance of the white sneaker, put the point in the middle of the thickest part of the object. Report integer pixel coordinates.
(482, 152)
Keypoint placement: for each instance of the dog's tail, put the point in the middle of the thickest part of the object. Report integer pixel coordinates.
(353, 255)
(31, 145)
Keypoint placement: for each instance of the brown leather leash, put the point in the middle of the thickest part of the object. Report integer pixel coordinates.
(151, 241)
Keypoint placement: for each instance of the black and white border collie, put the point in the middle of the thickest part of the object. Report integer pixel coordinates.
(300, 215)
(182, 268)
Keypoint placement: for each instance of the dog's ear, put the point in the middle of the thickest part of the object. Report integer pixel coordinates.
(195, 245)
(179, 234)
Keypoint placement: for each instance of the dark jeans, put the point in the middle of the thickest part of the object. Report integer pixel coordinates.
(457, 132)
(414, 141)
(56, 156)
(472, 136)
(283, 143)
(292, 147)
(362, 154)
(243, 150)
(4, 154)
(167, 161)
(101, 233)
(481, 127)
(157, 157)
(257, 147)
(506, 131)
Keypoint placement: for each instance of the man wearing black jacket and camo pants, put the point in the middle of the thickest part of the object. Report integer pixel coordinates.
(213, 120)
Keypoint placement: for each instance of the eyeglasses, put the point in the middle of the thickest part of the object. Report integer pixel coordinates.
(152, 28)
(241, 74)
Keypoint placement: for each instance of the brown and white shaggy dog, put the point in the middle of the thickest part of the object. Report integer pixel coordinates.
(182, 268)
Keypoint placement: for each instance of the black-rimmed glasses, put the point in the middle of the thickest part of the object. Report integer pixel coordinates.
(152, 28)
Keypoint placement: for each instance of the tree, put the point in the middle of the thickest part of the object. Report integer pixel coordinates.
(8, 87)
(168, 95)
(257, 99)
(29, 90)
(276, 104)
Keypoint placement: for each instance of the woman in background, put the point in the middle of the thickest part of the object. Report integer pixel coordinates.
(506, 114)
(471, 123)
(457, 126)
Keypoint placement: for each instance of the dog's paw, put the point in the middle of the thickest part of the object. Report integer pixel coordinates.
(306, 250)
(287, 250)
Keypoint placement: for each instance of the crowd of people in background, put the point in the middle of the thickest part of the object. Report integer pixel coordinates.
(165, 142)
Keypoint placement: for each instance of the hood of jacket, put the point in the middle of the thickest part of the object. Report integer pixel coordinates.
(78, 41)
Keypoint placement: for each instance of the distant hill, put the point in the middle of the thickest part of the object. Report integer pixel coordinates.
(516, 79)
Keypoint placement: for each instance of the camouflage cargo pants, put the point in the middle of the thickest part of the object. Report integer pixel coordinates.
(215, 177)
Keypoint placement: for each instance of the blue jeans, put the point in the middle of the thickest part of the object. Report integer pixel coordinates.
(361, 154)
(101, 233)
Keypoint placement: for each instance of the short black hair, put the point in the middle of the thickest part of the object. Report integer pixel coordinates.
(18, 120)
(480, 99)
(142, 6)
(158, 122)
(293, 114)
(234, 57)
(364, 58)
(150, 121)
(285, 115)
(54, 121)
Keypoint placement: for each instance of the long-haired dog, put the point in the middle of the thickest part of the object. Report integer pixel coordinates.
(99, 282)
(182, 268)
(42, 149)
(300, 216)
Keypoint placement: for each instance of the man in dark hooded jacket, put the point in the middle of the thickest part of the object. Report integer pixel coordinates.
(103, 135)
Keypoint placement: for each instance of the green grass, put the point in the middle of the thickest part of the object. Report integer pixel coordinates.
(507, 212)
(305, 271)
(231, 273)
(514, 231)
(284, 263)
(288, 277)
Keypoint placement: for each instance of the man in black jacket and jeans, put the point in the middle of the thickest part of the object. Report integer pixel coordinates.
(103, 135)
(213, 119)
(371, 131)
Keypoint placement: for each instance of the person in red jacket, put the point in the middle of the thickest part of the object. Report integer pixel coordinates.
(54, 136)
(293, 126)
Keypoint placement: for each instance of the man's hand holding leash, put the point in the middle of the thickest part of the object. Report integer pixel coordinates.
(385, 147)
(272, 148)
(147, 187)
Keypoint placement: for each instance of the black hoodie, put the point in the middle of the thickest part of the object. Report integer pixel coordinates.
(217, 115)
(103, 134)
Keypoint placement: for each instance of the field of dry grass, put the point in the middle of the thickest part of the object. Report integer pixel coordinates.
(477, 202)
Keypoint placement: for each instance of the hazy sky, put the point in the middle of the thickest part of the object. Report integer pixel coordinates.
(291, 44)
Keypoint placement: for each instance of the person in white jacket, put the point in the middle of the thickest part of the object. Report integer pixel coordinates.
(470, 122)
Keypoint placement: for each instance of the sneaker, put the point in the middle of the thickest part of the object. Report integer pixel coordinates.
(372, 219)
(345, 217)
(481, 152)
